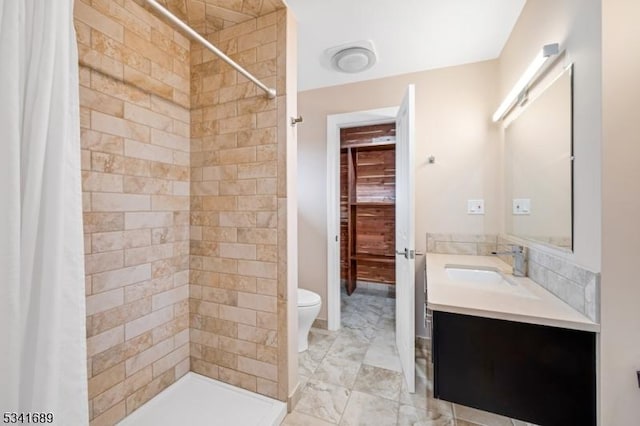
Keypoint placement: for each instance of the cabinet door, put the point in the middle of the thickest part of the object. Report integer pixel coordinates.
(539, 374)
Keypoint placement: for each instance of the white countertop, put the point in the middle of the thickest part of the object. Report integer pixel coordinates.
(526, 301)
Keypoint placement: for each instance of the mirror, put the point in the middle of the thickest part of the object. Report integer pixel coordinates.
(538, 167)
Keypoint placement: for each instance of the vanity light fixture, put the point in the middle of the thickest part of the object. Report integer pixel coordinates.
(522, 84)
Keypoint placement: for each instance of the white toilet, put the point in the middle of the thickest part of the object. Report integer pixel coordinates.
(308, 308)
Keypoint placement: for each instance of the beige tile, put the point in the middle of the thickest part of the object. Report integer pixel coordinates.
(150, 390)
(266, 320)
(323, 400)
(257, 302)
(103, 381)
(112, 202)
(257, 203)
(134, 220)
(103, 341)
(121, 277)
(237, 378)
(364, 409)
(148, 356)
(171, 360)
(257, 335)
(97, 20)
(137, 256)
(113, 415)
(480, 417)
(257, 38)
(257, 368)
(237, 251)
(296, 418)
(148, 322)
(257, 269)
(107, 241)
(109, 163)
(147, 117)
(337, 371)
(101, 102)
(267, 387)
(119, 89)
(379, 382)
(119, 127)
(96, 141)
(146, 151)
(239, 315)
(238, 347)
(104, 301)
(170, 297)
(100, 262)
(144, 185)
(410, 416)
(238, 155)
(135, 381)
(101, 182)
(240, 187)
(121, 352)
(108, 399)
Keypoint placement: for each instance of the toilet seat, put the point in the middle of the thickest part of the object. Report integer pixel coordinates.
(307, 298)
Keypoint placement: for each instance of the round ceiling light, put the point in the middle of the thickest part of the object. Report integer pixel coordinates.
(353, 59)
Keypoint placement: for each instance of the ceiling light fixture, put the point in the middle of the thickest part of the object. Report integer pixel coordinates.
(353, 60)
(352, 57)
(525, 80)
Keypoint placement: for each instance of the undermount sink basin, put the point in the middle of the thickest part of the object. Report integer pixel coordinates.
(484, 278)
(481, 276)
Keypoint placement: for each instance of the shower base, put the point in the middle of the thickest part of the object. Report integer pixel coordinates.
(199, 400)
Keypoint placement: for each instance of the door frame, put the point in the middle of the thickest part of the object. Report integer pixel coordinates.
(335, 122)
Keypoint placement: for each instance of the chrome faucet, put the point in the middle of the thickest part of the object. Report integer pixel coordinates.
(519, 259)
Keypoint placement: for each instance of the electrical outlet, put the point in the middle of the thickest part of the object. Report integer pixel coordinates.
(475, 206)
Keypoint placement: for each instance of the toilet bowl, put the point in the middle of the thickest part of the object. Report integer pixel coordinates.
(308, 308)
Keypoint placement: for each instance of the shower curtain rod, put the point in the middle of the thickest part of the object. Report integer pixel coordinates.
(271, 93)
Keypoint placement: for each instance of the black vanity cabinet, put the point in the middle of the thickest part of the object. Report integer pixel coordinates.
(539, 374)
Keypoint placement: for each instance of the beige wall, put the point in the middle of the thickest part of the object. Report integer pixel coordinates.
(453, 110)
(620, 338)
(238, 284)
(575, 24)
(134, 78)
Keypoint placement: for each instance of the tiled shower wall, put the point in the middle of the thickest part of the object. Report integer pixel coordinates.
(135, 130)
(238, 222)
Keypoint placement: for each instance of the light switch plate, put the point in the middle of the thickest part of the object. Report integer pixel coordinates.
(475, 206)
(521, 206)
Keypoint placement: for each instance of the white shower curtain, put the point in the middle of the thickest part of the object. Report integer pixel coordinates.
(42, 312)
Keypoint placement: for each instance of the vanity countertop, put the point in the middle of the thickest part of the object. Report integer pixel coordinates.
(535, 305)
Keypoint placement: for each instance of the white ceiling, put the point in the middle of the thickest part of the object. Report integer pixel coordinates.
(408, 35)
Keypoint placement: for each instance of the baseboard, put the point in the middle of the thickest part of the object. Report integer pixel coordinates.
(423, 343)
(320, 323)
(293, 399)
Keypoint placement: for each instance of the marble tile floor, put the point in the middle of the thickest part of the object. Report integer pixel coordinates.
(353, 376)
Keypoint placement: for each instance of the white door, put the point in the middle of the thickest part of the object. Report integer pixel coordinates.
(405, 237)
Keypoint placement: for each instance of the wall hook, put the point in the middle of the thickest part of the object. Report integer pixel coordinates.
(296, 120)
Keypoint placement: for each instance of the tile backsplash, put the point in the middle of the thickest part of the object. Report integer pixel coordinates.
(578, 287)
(473, 244)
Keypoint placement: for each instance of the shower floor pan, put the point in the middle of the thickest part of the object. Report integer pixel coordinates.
(198, 400)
